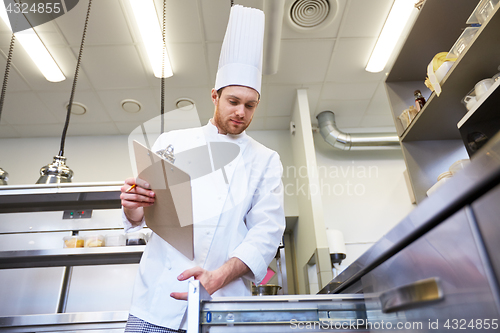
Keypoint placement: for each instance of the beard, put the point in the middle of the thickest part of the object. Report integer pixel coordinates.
(227, 126)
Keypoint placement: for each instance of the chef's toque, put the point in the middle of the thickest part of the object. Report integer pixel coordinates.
(240, 61)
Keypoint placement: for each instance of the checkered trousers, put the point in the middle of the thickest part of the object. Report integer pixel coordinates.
(137, 325)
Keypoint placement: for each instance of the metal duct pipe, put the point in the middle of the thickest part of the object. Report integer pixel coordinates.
(357, 141)
(274, 10)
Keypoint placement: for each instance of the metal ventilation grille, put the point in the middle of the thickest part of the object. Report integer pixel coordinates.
(309, 13)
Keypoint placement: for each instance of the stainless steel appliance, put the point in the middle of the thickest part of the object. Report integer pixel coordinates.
(437, 270)
(45, 287)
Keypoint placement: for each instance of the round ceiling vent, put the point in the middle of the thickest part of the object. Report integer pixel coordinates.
(131, 105)
(311, 15)
(185, 103)
(77, 108)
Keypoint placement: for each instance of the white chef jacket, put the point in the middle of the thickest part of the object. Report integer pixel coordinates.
(240, 215)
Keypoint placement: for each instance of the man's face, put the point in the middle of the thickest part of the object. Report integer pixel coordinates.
(234, 108)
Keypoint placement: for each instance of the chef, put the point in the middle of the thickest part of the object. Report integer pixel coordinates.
(237, 209)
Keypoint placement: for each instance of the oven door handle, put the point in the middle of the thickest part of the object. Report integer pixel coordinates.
(412, 295)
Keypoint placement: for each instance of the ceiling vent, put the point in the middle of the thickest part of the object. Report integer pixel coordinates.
(311, 15)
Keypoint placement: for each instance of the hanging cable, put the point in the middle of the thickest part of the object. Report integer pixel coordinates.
(6, 75)
(4, 176)
(68, 114)
(162, 103)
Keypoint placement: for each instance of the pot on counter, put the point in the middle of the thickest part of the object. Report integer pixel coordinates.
(265, 289)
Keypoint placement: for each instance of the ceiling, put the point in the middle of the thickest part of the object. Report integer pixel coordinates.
(328, 62)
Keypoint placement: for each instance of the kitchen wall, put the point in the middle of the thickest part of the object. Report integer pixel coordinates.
(363, 192)
(92, 158)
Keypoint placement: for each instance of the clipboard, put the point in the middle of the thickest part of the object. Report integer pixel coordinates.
(171, 216)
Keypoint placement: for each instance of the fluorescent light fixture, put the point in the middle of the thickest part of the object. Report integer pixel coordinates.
(36, 50)
(393, 27)
(149, 27)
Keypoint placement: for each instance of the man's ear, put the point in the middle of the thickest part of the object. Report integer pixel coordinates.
(214, 96)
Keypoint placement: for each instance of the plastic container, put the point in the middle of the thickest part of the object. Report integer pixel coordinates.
(462, 42)
(115, 240)
(94, 241)
(407, 116)
(483, 11)
(496, 77)
(136, 238)
(470, 99)
(458, 165)
(73, 241)
(405, 119)
(446, 174)
(442, 178)
(482, 87)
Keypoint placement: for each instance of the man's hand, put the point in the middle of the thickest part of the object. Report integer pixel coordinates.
(209, 279)
(213, 280)
(134, 199)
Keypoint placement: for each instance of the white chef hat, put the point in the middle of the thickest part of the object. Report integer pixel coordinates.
(240, 61)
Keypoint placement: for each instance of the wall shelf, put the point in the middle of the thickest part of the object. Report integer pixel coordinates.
(486, 102)
(438, 119)
(432, 142)
(482, 122)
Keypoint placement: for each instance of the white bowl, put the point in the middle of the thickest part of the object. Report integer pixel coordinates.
(458, 165)
(443, 69)
(437, 185)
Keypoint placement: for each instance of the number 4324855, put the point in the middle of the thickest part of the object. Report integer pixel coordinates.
(39, 8)
(462, 324)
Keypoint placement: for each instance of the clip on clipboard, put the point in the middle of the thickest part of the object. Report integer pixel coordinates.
(171, 216)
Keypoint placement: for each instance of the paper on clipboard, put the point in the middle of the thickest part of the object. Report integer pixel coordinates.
(171, 217)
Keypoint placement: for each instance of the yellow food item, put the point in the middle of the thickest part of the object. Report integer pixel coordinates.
(74, 242)
(428, 84)
(95, 242)
(432, 81)
(440, 59)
